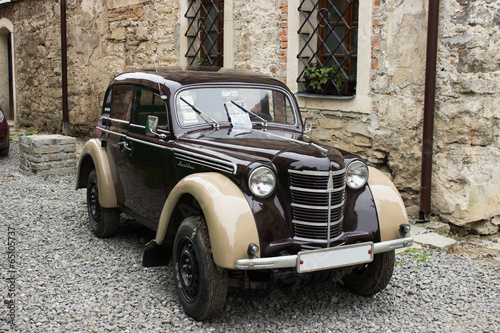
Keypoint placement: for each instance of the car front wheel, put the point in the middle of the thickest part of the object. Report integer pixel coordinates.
(201, 285)
(372, 277)
(103, 221)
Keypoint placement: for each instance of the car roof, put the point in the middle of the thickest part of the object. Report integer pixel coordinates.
(177, 77)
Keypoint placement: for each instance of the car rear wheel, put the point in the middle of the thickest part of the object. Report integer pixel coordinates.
(201, 285)
(5, 151)
(103, 221)
(372, 277)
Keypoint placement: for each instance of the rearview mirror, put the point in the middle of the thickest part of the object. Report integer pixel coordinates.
(308, 125)
(152, 128)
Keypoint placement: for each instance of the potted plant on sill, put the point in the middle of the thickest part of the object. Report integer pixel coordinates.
(327, 80)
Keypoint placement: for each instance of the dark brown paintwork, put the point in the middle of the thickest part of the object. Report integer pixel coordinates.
(264, 146)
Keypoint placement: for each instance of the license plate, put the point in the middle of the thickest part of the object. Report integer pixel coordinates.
(348, 255)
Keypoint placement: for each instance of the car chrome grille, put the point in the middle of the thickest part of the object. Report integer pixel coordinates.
(317, 205)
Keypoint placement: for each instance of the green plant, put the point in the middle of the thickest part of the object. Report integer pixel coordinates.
(318, 76)
(203, 62)
(418, 255)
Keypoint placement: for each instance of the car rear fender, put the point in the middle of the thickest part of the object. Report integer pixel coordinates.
(95, 157)
(230, 221)
(390, 207)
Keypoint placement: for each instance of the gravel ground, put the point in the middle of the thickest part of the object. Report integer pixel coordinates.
(67, 280)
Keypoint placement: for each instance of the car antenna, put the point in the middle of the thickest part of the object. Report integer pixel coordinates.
(162, 95)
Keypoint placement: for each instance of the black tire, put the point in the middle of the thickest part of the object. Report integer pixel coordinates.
(5, 151)
(372, 277)
(103, 221)
(201, 285)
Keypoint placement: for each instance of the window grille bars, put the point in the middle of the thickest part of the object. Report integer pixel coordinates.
(205, 32)
(328, 46)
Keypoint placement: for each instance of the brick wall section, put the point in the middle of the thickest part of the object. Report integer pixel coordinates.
(376, 38)
(284, 38)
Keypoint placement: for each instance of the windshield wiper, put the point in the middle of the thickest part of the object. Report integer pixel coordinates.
(201, 113)
(250, 112)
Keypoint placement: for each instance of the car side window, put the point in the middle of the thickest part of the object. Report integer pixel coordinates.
(149, 103)
(121, 102)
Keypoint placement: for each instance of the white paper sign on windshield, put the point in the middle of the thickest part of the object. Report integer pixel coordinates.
(239, 118)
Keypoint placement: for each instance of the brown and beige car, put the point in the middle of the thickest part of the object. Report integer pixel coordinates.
(220, 165)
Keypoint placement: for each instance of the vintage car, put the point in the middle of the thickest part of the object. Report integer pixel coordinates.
(4, 135)
(219, 164)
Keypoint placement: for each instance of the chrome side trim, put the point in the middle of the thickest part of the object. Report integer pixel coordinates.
(291, 260)
(204, 160)
(112, 132)
(147, 143)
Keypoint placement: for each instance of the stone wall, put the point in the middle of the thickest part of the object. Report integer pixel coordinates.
(38, 62)
(257, 36)
(466, 177)
(106, 37)
(467, 150)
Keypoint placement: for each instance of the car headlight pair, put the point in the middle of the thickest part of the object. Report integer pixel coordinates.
(262, 180)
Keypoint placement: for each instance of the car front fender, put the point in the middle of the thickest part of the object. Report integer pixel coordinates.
(230, 221)
(94, 156)
(390, 207)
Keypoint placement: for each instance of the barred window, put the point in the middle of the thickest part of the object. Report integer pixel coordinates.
(205, 32)
(328, 37)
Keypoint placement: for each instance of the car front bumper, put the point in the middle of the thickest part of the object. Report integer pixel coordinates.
(341, 256)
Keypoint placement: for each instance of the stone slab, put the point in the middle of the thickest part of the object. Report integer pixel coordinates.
(434, 240)
(417, 230)
(438, 227)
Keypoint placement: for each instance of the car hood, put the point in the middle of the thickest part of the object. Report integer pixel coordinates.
(269, 146)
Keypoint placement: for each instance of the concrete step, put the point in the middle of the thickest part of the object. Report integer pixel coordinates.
(435, 240)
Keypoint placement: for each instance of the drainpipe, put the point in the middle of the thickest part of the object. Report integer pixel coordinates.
(64, 69)
(429, 105)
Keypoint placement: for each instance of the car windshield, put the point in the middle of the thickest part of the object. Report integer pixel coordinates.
(242, 107)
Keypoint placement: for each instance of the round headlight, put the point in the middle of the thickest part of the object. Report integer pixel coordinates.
(262, 181)
(1, 116)
(356, 175)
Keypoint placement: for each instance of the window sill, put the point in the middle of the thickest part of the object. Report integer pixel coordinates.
(317, 96)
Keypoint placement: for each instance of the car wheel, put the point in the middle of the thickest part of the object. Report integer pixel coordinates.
(201, 285)
(5, 151)
(103, 221)
(372, 277)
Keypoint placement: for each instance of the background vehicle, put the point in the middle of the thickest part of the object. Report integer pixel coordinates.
(217, 162)
(4, 135)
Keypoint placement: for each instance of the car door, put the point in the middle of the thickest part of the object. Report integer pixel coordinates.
(148, 157)
(118, 107)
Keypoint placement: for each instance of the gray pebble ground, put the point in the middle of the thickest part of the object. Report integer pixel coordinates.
(67, 280)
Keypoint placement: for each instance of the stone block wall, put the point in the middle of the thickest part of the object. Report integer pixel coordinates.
(106, 37)
(467, 136)
(466, 177)
(47, 154)
(38, 62)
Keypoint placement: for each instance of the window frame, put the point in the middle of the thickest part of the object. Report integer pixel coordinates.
(319, 72)
(197, 34)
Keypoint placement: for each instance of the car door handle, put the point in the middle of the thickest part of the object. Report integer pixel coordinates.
(125, 146)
